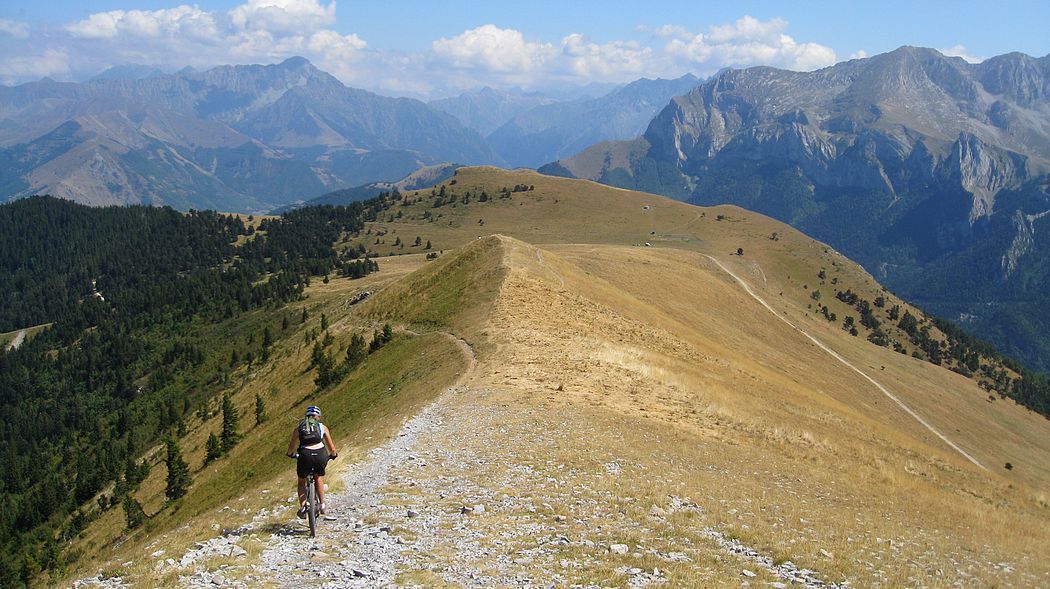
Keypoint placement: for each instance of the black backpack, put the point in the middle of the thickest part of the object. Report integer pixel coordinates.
(310, 432)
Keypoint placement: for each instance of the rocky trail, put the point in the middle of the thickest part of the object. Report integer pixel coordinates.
(436, 506)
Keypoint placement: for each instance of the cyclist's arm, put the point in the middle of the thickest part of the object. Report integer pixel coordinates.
(331, 445)
(293, 443)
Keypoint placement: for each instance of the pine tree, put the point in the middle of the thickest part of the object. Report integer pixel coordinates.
(356, 352)
(260, 410)
(316, 354)
(178, 472)
(304, 317)
(212, 449)
(325, 371)
(230, 424)
(133, 514)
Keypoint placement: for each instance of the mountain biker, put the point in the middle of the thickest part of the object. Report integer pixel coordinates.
(312, 444)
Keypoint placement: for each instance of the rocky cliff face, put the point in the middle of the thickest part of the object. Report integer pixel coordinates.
(890, 123)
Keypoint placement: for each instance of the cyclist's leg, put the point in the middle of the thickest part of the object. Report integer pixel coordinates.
(302, 490)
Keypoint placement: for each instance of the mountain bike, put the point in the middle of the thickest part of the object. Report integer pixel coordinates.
(313, 507)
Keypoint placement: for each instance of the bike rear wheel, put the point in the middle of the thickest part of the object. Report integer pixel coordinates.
(311, 504)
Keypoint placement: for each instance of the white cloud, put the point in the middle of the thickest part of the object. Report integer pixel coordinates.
(960, 51)
(746, 42)
(493, 55)
(590, 61)
(858, 54)
(18, 30)
(283, 16)
(189, 21)
(489, 47)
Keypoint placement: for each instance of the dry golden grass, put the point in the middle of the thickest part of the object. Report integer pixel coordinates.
(653, 360)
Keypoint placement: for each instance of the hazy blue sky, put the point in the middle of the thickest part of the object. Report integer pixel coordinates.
(428, 48)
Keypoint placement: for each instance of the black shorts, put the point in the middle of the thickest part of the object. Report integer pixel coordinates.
(311, 461)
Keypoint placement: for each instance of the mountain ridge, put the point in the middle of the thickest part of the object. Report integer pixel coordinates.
(301, 132)
(547, 132)
(909, 161)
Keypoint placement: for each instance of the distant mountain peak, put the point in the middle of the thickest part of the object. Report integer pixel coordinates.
(295, 62)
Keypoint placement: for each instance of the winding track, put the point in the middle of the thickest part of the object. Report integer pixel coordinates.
(848, 364)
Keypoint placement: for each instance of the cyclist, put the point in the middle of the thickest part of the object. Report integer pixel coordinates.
(312, 443)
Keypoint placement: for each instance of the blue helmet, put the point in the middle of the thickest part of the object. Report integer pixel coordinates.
(313, 411)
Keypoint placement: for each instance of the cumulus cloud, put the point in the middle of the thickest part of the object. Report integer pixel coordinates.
(18, 30)
(612, 60)
(283, 16)
(182, 20)
(960, 51)
(746, 42)
(492, 48)
(491, 54)
(858, 54)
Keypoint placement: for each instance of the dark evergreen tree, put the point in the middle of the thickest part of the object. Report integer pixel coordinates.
(326, 374)
(212, 449)
(133, 513)
(178, 472)
(260, 410)
(230, 434)
(356, 351)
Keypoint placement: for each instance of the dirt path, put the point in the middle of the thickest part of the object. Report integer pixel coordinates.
(539, 259)
(19, 338)
(885, 391)
(356, 544)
